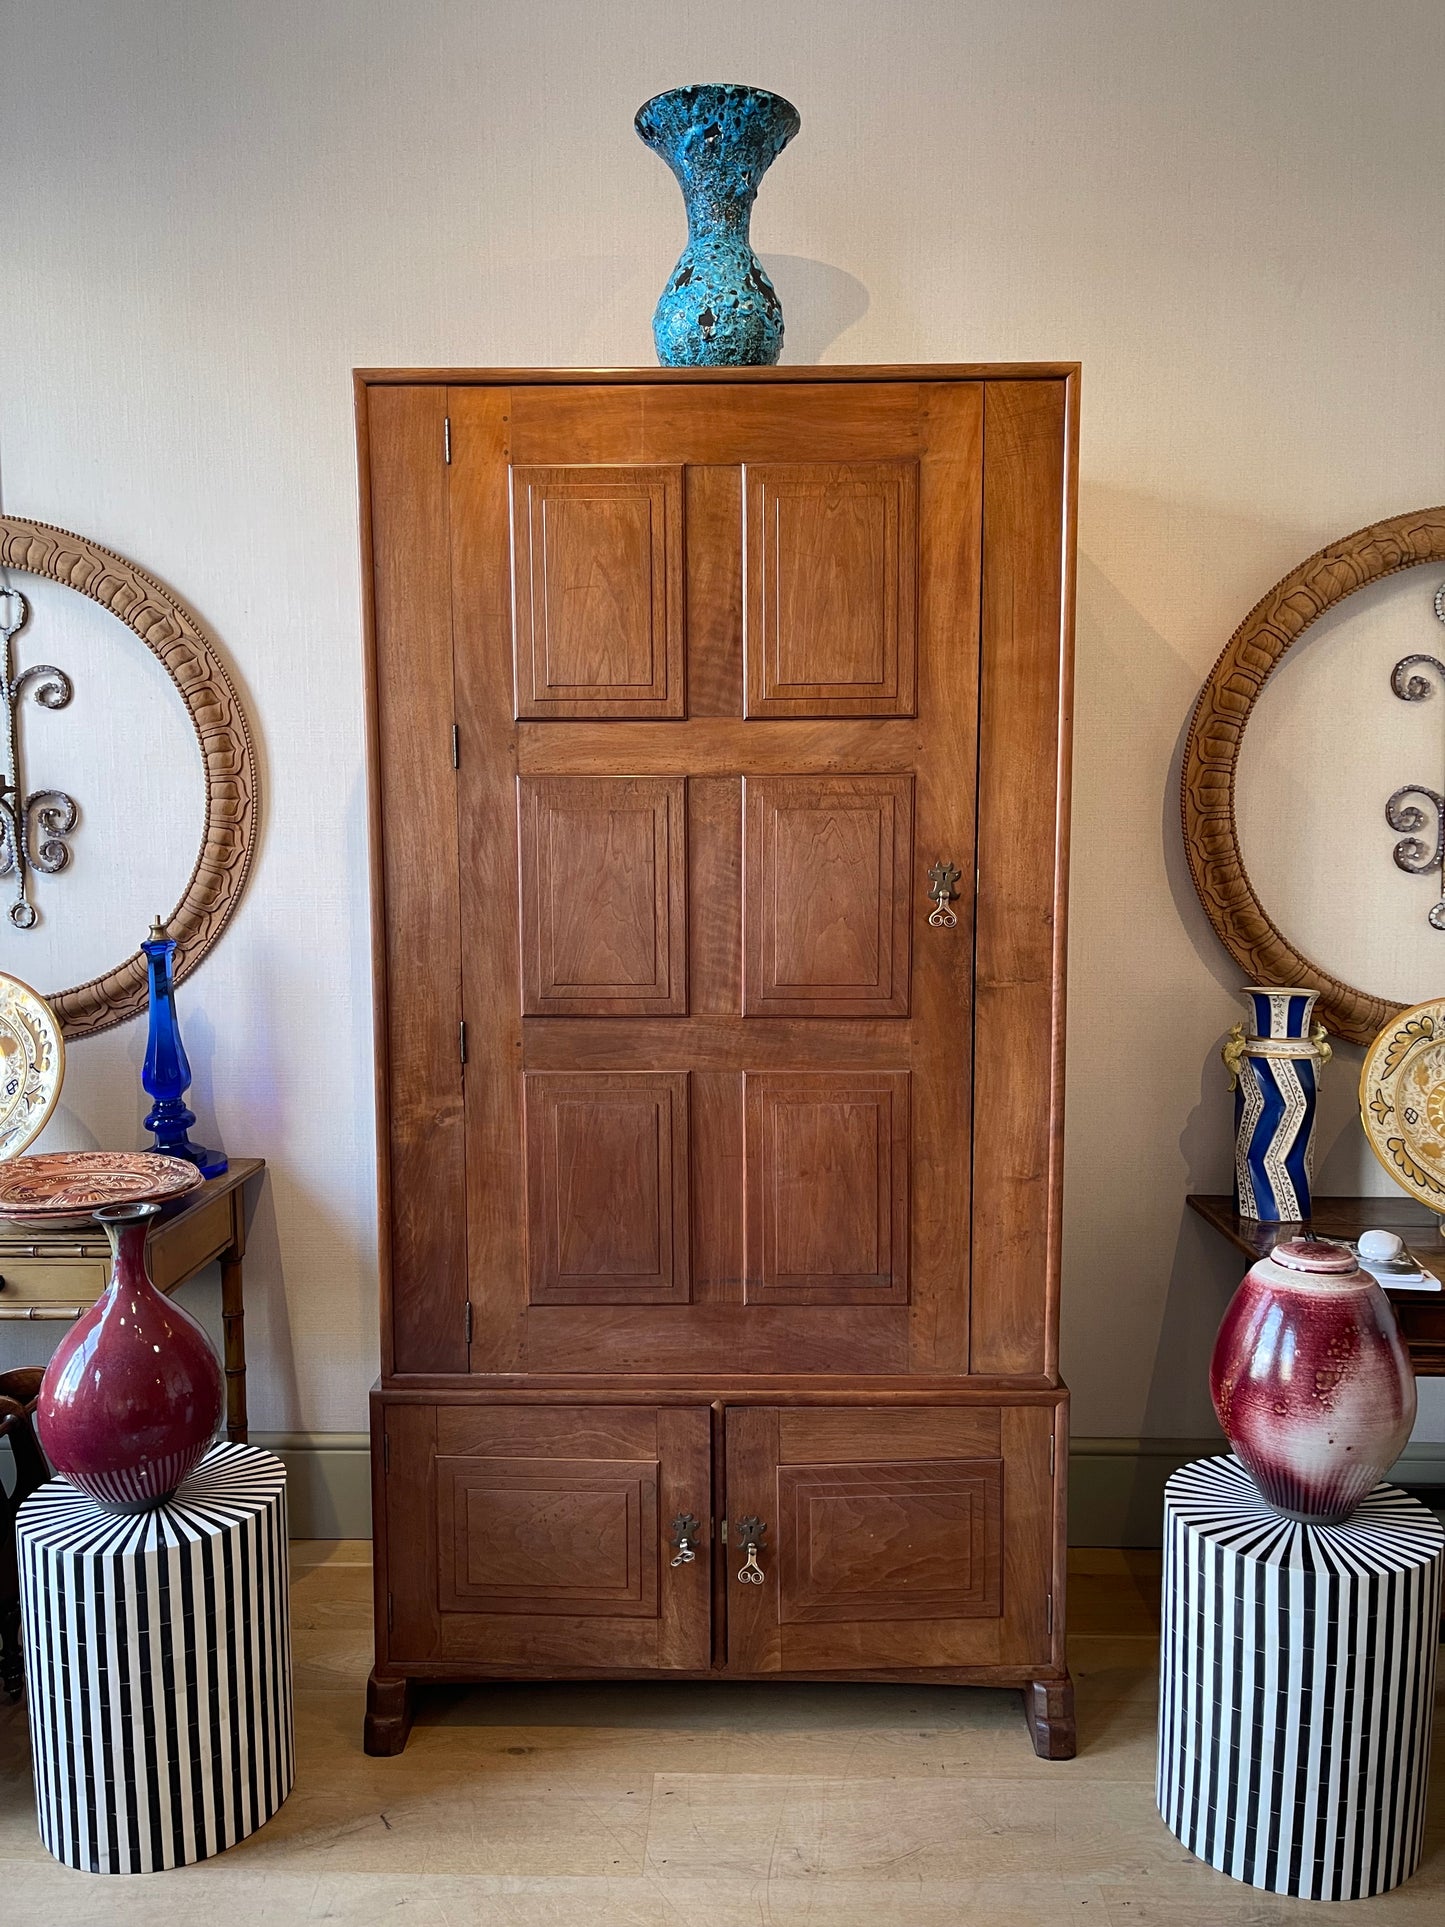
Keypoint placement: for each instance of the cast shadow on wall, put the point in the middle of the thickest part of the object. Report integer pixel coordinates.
(820, 303)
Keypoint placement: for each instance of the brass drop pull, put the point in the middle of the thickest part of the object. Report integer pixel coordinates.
(685, 1532)
(751, 1532)
(941, 880)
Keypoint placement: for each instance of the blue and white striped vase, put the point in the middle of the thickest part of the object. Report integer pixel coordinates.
(1274, 1068)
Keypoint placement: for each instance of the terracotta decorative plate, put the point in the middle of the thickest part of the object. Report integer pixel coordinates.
(70, 1184)
(1402, 1101)
(32, 1064)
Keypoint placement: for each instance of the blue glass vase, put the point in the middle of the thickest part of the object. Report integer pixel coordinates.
(166, 1073)
(719, 309)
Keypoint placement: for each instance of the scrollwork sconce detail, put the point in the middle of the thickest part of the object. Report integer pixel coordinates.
(34, 825)
(1413, 854)
(228, 760)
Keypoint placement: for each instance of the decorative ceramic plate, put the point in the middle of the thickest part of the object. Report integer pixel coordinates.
(69, 1184)
(1402, 1101)
(32, 1064)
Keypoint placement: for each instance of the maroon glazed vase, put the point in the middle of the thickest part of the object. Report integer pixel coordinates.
(132, 1398)
(1311, 1380)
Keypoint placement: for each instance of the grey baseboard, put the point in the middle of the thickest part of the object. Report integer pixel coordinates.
(328, 1479)
(1116, 1486)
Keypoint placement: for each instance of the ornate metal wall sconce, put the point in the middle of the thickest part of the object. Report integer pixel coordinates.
(33, 826)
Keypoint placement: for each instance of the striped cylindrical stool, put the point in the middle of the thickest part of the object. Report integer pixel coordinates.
(1297, 1674)
(158, 1665)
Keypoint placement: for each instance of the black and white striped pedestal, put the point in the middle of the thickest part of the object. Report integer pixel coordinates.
(1297, 1675)
(158, 1666)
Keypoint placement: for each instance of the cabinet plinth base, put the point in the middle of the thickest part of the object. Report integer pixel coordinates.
(1049, 1708)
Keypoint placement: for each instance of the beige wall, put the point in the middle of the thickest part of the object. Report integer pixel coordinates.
(1230, 213)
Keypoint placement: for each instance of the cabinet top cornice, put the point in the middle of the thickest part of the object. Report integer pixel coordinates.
(800, 372)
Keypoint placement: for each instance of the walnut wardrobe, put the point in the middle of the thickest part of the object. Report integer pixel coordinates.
(719, 753)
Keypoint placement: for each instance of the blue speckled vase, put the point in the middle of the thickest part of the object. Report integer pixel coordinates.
(719, 309)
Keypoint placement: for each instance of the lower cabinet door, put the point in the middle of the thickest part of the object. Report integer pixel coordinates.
(888, 1538)
(537, 1536)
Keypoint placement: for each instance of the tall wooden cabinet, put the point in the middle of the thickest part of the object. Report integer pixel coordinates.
(719, 781)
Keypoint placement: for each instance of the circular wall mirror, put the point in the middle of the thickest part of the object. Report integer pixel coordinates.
(196, 854)
(1285, 831)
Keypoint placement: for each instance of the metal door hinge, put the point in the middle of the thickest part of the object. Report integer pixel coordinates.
(469, 1321)
(386, 1451)
(456, 747)
(389, 1612)
(1051, 1455)
(1050, 1598)
(723, 1531)
(447, 437)
(462, 1040)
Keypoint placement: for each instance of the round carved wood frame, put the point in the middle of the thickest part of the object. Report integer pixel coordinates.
(1211, 756)
(228, 757)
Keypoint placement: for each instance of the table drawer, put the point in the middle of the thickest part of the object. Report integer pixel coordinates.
(47, 1283)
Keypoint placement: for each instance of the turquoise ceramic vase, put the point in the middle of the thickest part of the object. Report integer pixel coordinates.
(719, 308)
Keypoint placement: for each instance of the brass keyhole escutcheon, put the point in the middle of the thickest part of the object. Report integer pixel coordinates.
(751, 1532)
(942, 879)
(685, 1532)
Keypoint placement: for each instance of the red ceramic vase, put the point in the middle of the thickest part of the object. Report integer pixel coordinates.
(132, 1398)
(1311, 1380)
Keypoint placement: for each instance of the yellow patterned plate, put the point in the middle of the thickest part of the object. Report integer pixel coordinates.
(1402, 1101)
(32, 1064)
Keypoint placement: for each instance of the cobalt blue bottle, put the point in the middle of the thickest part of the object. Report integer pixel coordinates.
(166, 1074)
(719, 309)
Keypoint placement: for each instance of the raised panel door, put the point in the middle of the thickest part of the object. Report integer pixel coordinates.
(728, 905)
(545, 1535)
(890, 1538)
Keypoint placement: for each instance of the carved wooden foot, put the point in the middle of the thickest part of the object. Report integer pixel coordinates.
(389, 1707)
(1049, 1706)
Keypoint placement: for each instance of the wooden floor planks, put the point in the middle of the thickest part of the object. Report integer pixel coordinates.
(709, 1806)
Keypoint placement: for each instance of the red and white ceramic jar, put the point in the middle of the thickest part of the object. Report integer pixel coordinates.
(1311, 1380)
(131, 1400)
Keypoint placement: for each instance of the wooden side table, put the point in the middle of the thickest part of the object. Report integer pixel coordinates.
(59, 1275)
(1421, 1313)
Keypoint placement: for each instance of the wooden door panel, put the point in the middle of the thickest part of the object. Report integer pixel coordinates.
(607, 1187)
(714, 1333)
(892, 1538)
(826, 1211)
(913, 1541)
(725, 895)
(1024, 698)
(830, 567)
(604, 895)
(424, 1251)
(826, 895)
(725, 423)
(523, 1535)
(544, 1534)
(597, 572)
